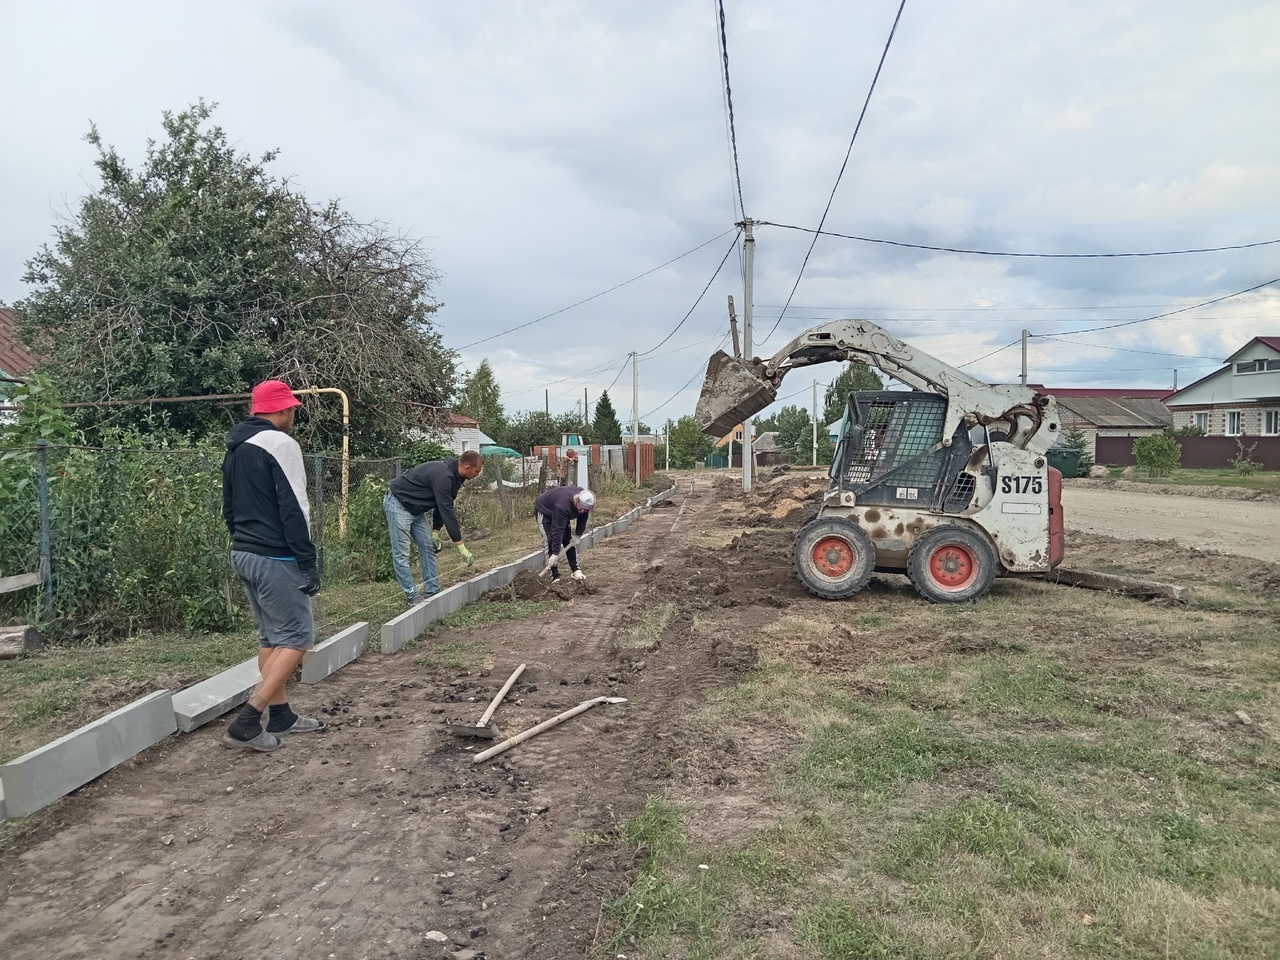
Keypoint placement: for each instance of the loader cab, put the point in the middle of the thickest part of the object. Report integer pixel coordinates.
(890, 453)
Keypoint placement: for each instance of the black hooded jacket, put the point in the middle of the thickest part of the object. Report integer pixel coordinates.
(264, 493)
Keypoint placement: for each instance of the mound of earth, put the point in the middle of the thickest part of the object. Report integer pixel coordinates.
(1175, 490)
(529, 586)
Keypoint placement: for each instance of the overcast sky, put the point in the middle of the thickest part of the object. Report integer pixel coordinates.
(545, 152)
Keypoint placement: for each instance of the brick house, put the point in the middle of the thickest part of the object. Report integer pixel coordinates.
(16, 361)
(1241, 399)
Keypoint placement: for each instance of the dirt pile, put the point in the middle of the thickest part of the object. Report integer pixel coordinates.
(529, 586)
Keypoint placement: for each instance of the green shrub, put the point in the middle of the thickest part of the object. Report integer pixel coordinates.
(1158, 454)
(1244, 463)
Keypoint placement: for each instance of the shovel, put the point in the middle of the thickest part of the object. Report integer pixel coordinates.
(544, 725)
(484, 728)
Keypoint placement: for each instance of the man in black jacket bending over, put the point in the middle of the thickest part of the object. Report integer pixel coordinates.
(557, 511)
(429, 486)
(264, 502)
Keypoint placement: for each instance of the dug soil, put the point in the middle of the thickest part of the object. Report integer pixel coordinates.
(381, 838)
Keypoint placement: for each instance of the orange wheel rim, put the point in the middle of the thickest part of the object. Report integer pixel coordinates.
(953, 566)
(833, 557)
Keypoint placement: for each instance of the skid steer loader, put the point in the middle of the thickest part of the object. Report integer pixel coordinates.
(947, 482)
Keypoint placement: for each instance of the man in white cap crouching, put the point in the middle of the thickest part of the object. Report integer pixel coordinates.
(559, 511)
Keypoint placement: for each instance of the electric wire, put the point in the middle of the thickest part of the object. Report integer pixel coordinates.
(991, 354)
(1171, 313)
(701, 369)
(1009, 253)
(728, 99)
(1099, 346)
(723, 261)
(573, 376)
(865, 103)
(596, 296)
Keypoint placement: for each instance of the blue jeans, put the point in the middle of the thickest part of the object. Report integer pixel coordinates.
(405, 527)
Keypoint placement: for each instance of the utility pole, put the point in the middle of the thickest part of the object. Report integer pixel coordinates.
(586, 416)
(733, 328)
(546, 394)
(815, 423)
(667, 444)
(1025, 335)
(1175, 378)
(749, 256)
(635, 409)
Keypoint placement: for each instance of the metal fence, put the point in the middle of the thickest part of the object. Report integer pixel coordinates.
(1198, 453)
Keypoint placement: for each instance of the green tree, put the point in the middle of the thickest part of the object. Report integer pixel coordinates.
(689, 445)
(201, 273)
(795, 433)
(481, 398)
(533, 427)
(1074, 439)
(605, 427)
(856, 376)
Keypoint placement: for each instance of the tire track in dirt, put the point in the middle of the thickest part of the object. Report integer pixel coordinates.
(363, 840)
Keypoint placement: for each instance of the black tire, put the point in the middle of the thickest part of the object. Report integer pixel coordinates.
(833, 557)
(952, 564)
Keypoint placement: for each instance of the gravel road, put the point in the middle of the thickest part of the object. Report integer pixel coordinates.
(1245, 528)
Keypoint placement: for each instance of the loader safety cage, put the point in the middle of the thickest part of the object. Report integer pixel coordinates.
(890, 453)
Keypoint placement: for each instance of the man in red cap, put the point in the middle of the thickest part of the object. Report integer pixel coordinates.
(264, 501)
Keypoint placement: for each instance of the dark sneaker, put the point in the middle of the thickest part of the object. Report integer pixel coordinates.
(264, 742)
(413, 601)
(300, 725)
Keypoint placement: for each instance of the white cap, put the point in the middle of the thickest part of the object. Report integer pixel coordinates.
(586, 499)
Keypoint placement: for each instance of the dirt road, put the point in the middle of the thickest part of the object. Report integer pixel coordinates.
(1241, 527)
(380, 838)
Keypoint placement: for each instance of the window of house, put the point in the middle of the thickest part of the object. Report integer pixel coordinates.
(1233, 423)
(1271, 422)
(1202, 422)
(1257, 366)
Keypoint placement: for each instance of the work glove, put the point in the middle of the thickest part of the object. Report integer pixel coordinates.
(311, 581)
(467, 555)
(579, 575)
(574, 541)
(437, 543)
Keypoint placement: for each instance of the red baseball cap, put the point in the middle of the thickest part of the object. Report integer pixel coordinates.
(272, 396)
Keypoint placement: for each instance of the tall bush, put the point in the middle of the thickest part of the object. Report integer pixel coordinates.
(1158, 455)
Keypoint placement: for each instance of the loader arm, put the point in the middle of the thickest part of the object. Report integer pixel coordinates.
(735, 389)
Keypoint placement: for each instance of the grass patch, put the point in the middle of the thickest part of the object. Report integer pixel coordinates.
(454, 655)
(1266, 481)
(646, 631)
(484, 614)
(1066, 772)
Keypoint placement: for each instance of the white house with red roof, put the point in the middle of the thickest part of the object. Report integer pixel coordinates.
(1241, 399)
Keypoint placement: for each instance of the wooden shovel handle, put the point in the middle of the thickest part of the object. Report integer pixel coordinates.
(534, 731)
(506, 687)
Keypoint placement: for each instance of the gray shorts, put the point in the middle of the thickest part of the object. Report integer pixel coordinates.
(282, 610)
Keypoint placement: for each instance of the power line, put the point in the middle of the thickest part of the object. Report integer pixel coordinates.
(701, 369)
(991, 354)
(1171, 313)
(728, 99)
(830, 199)
(723, 261)
(1098, 346)
(597, 296)
(1007, 253)
(573, 376)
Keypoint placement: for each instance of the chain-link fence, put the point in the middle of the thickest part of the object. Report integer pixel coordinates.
(130, 538)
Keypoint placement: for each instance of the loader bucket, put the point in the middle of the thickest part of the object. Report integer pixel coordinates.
(733, 391)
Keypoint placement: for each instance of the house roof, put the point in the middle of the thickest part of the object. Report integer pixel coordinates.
(766, 443)
(1123, 412)
(16, 360)
(456, 419)
(1271, 342)
(1115, 393)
